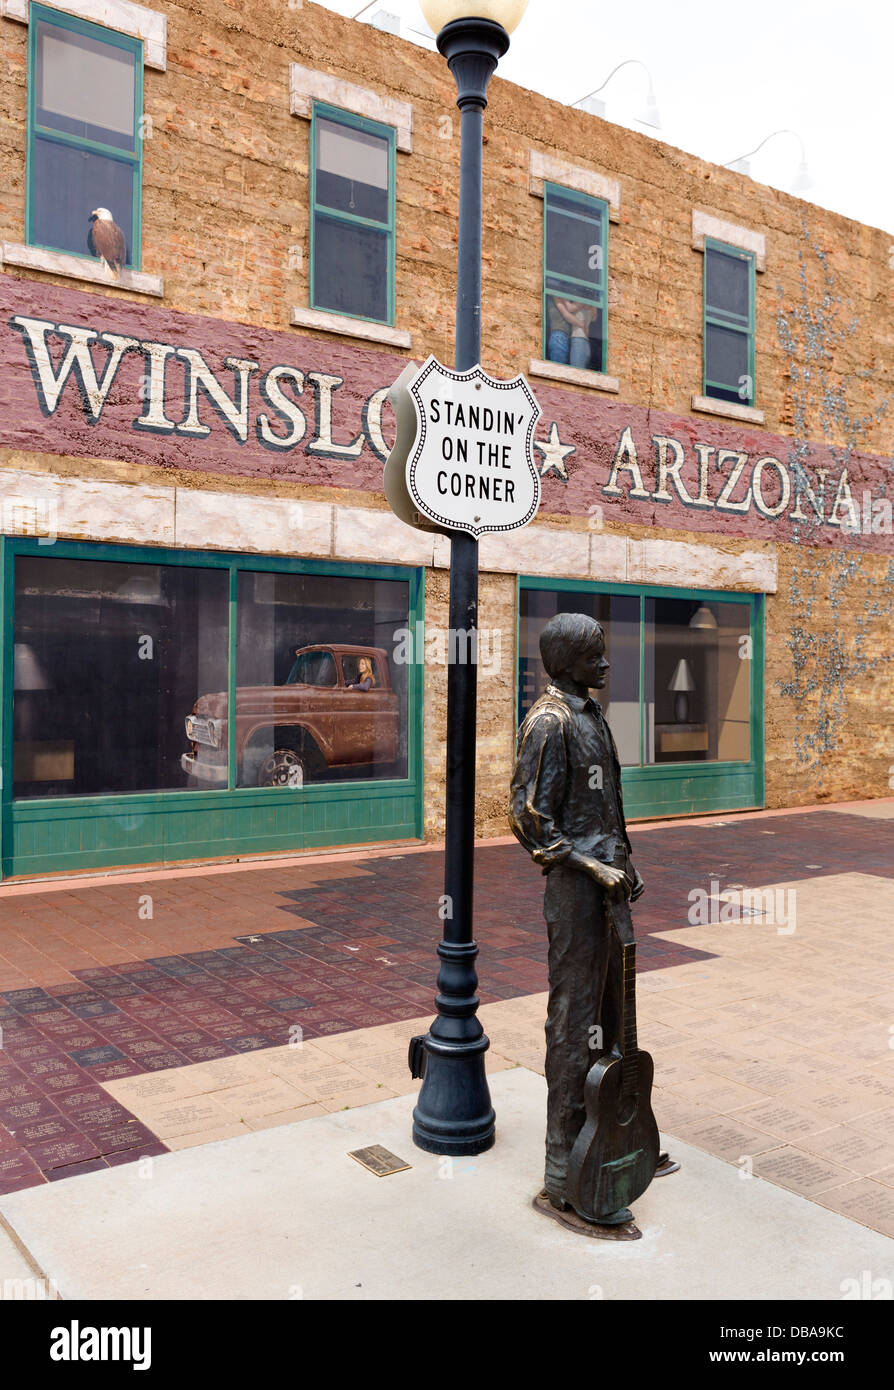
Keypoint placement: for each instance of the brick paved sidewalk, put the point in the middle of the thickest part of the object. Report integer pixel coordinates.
(202, 978)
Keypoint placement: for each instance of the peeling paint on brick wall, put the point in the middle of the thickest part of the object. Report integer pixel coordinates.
(837, 637)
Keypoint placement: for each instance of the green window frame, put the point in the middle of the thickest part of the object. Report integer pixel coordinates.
(39, 134)
(742, 391)
(677, 788)
(320, 213)
(590, 289)
(61, 833)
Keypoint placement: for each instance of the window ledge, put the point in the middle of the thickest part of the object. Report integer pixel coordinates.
(576, 376)
(123, 15)
(77, 268)
(350, 328)
(727, 409)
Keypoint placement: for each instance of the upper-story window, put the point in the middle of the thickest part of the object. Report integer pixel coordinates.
(729, 323)
(85, 105)
(575, 276)
(352, 215)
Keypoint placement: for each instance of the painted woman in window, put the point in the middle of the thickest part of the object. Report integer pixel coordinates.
(365, 678)
(569, 339)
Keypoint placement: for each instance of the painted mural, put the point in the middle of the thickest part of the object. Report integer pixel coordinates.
(130, 382)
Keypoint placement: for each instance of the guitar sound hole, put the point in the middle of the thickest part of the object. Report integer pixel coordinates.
(626, 1110)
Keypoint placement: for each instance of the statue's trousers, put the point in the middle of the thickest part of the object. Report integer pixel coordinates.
(584, 980)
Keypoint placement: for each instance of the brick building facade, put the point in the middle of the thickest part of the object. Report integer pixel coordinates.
(191, 453)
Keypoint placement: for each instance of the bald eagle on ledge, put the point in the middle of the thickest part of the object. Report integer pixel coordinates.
(106, 240)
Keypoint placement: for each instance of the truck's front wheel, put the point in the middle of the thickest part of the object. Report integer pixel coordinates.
(283, 768)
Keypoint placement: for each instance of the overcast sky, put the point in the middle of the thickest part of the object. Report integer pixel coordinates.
(725, 75)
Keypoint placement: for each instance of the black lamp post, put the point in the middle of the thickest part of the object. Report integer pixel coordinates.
(454, 1114)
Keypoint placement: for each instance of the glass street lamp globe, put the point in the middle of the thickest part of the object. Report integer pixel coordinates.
(505, 12)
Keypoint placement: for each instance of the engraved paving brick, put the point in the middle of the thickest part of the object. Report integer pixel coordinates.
(96, 1056)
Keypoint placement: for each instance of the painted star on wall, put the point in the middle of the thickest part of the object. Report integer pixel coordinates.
(554, 453)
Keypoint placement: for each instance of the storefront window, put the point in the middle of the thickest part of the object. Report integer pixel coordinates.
(697, 681)
(320, 697)
(619, 618)
(697, 663)
(108, 660)
(121, 678)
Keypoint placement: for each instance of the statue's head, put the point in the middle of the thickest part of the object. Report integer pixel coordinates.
(573, 645)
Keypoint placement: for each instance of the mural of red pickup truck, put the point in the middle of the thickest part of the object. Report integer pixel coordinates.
(337, 710)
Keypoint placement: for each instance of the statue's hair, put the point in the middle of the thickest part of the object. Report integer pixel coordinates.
(565, 639)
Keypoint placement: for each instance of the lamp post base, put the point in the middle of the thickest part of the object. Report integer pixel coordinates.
(454, 1115)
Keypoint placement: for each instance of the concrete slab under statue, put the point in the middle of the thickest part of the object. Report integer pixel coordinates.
(463, 456)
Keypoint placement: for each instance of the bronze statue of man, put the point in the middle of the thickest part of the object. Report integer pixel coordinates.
(566, 809)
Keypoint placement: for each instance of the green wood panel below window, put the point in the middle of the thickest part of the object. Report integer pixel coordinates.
(51, 837)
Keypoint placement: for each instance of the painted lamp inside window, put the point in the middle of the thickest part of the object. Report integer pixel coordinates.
(84, 154)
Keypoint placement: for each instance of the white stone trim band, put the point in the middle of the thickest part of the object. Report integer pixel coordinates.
(307, 86)
(123, 15)
(706, 224)
(51, 506)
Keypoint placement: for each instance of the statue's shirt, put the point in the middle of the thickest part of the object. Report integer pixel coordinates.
(566, 790)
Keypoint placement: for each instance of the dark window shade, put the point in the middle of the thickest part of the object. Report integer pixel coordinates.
(571, 245)
(67, 183)
(351, 269)
(727, 360)
(727, 284)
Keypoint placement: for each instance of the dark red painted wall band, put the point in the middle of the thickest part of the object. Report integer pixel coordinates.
(88, 376)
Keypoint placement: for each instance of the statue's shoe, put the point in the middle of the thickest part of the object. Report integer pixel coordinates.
(619, 1226)
(617, 1218)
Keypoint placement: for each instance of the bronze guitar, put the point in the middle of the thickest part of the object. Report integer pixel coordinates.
(614, 1157)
